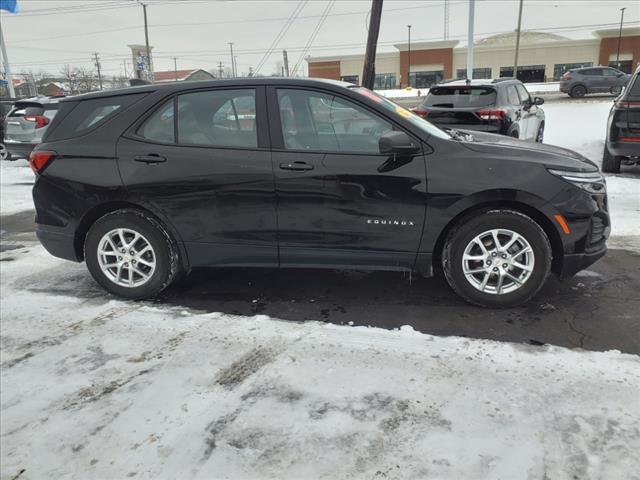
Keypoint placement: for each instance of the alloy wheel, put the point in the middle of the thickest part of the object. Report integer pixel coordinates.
(498, 261)
(126, 257)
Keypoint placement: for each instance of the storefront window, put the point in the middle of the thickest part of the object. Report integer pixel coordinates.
(384, 81)
(351, 79)
(481, 73)
(560, 68)
(425, 79)
(526, 73)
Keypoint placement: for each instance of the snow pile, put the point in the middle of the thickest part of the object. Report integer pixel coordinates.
(16, 181)
(93, 388)
(417, 92)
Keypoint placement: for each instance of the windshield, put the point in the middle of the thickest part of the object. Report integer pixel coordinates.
(419, 122)
(460, 97)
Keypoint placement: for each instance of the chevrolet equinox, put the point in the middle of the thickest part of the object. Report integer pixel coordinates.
(148, 182)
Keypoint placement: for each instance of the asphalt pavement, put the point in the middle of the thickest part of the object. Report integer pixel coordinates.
(596, 310)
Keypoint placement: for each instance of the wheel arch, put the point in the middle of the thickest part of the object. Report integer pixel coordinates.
(532, 212)
(98, 211)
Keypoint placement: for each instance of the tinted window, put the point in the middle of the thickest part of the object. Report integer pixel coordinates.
(88, 114)
(591, 71)
(160, 126)
(321, 122)
(462, 96)
(610, 72)
(225, 118)
(512, 95)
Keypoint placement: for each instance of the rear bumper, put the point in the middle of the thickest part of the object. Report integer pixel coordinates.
(19, 150)
(624, 149)
(57, 242)
(576, 262)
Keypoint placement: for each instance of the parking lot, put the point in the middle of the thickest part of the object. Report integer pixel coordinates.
(243, 373)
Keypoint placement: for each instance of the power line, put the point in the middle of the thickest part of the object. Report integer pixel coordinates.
(283, 31)
(314, 34)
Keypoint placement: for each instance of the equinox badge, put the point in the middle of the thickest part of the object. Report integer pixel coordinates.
(403, 223)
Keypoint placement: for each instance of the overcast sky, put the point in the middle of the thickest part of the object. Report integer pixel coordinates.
(47, 34)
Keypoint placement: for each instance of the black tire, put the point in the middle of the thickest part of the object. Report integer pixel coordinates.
(480, 222)
(164, 248)
(616, 90)
(610, 163)
(578, 91)
(540, 134)
(515, 134)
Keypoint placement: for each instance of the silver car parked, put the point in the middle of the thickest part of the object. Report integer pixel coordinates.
(580, 81)
(26, 123)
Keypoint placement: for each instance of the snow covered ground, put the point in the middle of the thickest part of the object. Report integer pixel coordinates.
(92, 387)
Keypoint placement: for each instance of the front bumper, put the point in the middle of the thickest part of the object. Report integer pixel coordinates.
(573, 263)
(57, 241)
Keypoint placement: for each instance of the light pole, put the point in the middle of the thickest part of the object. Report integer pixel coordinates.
(409, 58)
(620, 36)
(472, 4)
(233, 63)
(515, 61)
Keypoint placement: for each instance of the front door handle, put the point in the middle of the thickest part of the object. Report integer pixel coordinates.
(297, 166)
(151, 158)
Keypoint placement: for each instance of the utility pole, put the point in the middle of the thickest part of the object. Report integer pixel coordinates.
(620, 37)
(369, 69)
(446, 19)
(146, 42)
(7, 68)
(472, 5)
(124, 64)
(233, 63)
(96, 59)
(515, 61)
(220, 70)
(251, 71)
(409, 59)
(175, 67)
(285, 59)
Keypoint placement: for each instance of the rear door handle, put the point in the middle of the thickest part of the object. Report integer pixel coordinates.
(297, 166)
(151, 158)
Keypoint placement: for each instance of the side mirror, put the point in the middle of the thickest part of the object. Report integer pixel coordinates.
(621, 74)
(538, 100)
(397, 142)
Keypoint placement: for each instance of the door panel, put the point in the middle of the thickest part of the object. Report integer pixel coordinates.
(221, 200)
(344, 208)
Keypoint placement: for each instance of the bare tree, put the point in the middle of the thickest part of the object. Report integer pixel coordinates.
(70, 75)
(87, 81)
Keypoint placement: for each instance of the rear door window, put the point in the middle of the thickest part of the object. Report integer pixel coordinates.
(461, 97)
(224, 118)
(512, 95)
(159, 127)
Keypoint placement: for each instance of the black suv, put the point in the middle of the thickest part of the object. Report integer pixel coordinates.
(501, 106)
(148, 182)
(623, 129)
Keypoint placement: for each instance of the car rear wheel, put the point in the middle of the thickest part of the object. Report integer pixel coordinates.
(499, 258)
(578, 91)
(4, 153)
(130, 254)
(610, 163)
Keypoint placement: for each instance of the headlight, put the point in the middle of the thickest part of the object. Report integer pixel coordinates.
(592, 182)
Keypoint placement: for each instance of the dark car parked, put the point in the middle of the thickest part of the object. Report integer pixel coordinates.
(146, 183)
(501, 106)
(622, 145)
(26, 124)
(578, 82)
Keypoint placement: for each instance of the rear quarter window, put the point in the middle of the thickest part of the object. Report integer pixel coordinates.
(89, 114)
(460, 97)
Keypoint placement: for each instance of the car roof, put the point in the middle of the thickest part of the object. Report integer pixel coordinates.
(488, 82)
(41, 100)
(229, 82)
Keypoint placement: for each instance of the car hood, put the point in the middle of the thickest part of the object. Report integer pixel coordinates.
(512, 148)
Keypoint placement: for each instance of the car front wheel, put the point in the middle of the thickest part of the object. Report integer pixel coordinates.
(499, 258)
(130, 254)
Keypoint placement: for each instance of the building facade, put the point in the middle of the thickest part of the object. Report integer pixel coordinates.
(543, 57)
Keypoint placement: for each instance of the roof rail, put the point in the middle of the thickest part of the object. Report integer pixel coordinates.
(502, 79)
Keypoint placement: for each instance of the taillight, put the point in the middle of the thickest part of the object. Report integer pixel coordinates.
(38, 160)
(40, 120)
(621, 104)
(421, 112)
(494, 114)
(629, 139)
(566, 76)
